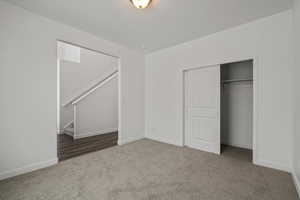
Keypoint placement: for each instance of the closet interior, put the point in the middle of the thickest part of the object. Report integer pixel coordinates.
(237, 107)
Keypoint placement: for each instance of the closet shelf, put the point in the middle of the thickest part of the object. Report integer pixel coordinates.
(237, 80)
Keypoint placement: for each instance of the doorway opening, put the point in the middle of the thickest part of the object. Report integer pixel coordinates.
(87, 100)
(237, 109)
(219, 109)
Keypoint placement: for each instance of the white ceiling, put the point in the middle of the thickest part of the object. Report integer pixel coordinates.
(163, 24)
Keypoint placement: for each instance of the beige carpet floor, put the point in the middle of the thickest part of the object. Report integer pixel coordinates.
(148, 170)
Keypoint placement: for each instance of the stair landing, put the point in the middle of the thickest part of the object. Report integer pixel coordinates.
(68, 147)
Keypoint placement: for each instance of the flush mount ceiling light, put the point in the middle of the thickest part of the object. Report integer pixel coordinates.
(141, 4)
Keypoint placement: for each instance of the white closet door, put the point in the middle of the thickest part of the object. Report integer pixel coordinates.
(202, 109)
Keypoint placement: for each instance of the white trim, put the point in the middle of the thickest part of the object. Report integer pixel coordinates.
(236, 144)
(297, 182)
(163, 140)
(255, 111)
(129, 140)
(58, 130)
(120, 102)
(75, 120)
(273, 165)
(255, 60)
(28, 168)
(99, 132)
(69, 133)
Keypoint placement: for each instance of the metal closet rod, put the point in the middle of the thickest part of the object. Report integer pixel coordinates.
(237, 80)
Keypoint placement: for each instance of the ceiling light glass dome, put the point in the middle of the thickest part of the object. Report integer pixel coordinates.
(141, 4)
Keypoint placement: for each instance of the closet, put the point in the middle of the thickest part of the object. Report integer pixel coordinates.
(218, 107)
(237, 104)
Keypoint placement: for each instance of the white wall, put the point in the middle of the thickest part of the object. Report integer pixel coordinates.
(28, 88)
(77, 78)
(98, 112)
(268, 40)
(296, 42)
(237, 114)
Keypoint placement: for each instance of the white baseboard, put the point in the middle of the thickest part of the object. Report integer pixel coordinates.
(297, 182)
(27, 169)
(100, 132)
(239, 145)
(273, 165)
(68, 133)
(263, 163)
(127, 140)
(159, 139)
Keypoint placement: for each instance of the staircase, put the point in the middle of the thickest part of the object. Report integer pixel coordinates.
(72, 142)
(71, 128)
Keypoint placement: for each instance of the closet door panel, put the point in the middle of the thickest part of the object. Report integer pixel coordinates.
(203, 109)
